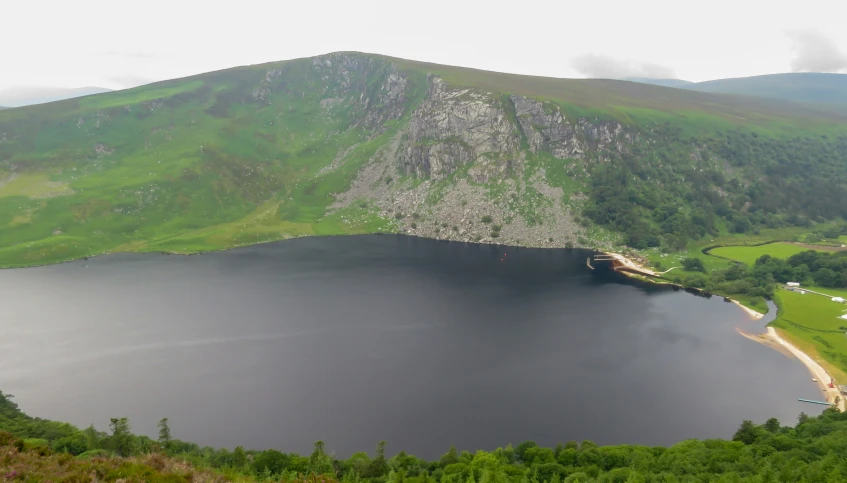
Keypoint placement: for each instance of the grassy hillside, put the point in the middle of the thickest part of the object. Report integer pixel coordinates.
(347, 143)
(29, 95)
(815, 449)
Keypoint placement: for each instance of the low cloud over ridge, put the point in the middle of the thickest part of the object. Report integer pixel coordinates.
(602, 66)
(815, 52)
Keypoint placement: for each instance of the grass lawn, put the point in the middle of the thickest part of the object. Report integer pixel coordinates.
(812, 323)
(749, 254)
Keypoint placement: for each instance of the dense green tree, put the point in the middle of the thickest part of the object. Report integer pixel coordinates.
(693, 264)
(378, 466)
(164, 433)
(746, 433)
(520, 451)
(270, 462)
(121, 440)
(319, 462)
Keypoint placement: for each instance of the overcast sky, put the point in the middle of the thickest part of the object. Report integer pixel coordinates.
(119, 44)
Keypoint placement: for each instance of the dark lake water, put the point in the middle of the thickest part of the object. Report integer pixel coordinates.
(357, 339)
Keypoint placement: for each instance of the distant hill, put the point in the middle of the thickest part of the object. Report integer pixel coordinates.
(28, 95)
(360, 143)
(812, 87)
(801, 87)
(660, 82)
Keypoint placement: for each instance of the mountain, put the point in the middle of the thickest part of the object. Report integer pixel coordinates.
(808, 87)
(802, 86)
(660, 82)
(359, 143)
(28, 95)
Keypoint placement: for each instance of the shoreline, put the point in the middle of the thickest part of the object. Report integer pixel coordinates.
(752, 313)
(770, 338)
(814, 368)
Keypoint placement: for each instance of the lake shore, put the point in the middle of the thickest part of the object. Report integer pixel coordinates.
(815, 369)
(771, 338)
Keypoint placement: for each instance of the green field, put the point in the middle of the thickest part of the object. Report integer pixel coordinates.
(812, 323)
(749, 254)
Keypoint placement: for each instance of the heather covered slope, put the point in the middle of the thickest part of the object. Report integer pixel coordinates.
(359, 143)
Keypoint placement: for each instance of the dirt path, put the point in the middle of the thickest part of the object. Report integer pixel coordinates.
(823, 248)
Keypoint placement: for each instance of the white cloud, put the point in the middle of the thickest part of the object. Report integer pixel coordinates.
(815, 52)
(605, 67)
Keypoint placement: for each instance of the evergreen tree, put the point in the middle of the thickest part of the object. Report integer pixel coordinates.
(164, 433)
(378, 465)
(319, 462)
(121, 439)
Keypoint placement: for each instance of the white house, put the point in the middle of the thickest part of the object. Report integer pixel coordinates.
(840, 300)
(793, 284)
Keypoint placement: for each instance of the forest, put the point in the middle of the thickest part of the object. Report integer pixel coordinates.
(814, 449)
(821, 268)
(743, 182)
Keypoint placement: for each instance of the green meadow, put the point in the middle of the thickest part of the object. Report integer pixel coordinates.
(812, 323)
(749, 254)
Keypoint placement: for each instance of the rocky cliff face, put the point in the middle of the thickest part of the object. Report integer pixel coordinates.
(347, 77)
(489, 141)
(458, 126)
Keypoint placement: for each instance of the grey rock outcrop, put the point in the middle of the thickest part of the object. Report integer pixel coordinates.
(547, 129)
(347, 77)
(457, 126)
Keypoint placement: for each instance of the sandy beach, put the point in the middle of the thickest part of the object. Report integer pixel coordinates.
(814, 368)
(752, 313)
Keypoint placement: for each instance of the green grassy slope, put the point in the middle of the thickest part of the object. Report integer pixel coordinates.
(259, 153)
(191, 164)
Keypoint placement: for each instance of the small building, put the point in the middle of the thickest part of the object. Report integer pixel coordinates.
(843, 316)
(840, 300)
(793, 284)
(843, 390)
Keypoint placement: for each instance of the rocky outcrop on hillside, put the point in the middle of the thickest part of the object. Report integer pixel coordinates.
(347, 76)
(546, 128)
(458, 126)
(471, 147)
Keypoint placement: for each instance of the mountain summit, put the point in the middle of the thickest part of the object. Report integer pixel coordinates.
(357, 143)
